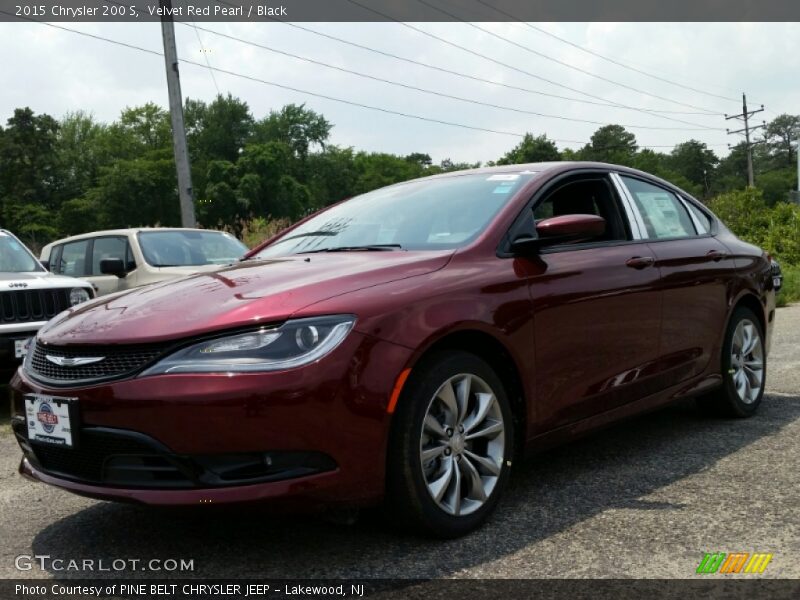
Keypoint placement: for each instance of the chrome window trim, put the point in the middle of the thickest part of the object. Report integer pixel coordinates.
(638, 229)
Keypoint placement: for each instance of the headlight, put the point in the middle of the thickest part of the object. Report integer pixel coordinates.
(78, 295)
(294, 344)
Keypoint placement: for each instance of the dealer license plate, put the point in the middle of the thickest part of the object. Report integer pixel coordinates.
(21, 347)
(50, 419)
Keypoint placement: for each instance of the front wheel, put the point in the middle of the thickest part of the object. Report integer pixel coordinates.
(451, 445)
(744, 368)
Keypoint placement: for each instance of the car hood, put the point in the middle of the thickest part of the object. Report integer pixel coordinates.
(247, 293)
(37, 280)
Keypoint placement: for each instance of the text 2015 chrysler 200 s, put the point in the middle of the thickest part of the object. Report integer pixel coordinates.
(403, 345)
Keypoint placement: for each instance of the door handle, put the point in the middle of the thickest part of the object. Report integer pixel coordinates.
(716, 255)
(640, 262)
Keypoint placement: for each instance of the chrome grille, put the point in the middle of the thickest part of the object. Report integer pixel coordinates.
(118, 361)
(24, 306)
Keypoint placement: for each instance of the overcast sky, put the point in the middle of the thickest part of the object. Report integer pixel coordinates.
(56, 71)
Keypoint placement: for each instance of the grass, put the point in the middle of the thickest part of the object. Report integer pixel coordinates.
(790, 292)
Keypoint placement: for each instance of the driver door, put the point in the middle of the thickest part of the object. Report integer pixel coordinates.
(597, 308)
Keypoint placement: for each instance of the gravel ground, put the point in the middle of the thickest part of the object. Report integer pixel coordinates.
(644, 499)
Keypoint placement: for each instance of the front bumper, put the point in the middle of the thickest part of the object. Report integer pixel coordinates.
(9, 335)
(316, 433)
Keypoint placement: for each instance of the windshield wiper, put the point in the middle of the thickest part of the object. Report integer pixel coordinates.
(321, 232)
(365, 248)
(309, 234)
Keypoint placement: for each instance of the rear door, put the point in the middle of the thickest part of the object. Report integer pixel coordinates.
(694, 267)
(597, 307)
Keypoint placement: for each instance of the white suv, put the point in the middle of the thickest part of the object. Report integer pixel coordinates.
(120, 259)
(29, 297)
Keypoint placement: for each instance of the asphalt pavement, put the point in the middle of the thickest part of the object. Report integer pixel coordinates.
(646, 499)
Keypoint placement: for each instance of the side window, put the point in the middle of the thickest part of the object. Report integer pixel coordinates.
(55, 259)
(107, 247)
(73, 259)
(592, 196)
(701, 219)
(663, 213)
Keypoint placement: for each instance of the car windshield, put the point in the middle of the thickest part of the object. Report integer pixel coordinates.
(14, 257)
(189, 248)
(430, 214)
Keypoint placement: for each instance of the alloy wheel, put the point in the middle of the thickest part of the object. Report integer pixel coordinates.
(462, 444)
(747, 361)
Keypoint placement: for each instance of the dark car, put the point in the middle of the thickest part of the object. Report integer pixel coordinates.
(403, 346)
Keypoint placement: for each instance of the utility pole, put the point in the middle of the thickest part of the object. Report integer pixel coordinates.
(797, 152)
(180, 147)
(796, 195)
(745, 116)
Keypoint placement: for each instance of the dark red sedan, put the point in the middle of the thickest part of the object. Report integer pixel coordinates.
(404, 346)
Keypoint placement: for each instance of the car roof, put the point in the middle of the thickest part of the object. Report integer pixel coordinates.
(560, 167)
(109, 232)
(541, 167)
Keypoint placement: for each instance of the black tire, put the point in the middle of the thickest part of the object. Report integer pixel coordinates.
(409, 501)
(726, 401)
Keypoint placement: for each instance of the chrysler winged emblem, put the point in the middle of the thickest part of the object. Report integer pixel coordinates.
(66, 361)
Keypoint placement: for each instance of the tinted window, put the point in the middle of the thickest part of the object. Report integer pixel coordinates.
(663, 213)
(107, 247)
(73, 259)
(189, 248)
(427, 214)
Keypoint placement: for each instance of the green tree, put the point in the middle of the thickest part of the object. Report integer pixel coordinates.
(220, 130)
(731, 172)
(138, 192)
(82, 148)
(147, 126)
(420, 158)
(378, 169)
(332, 175)
(29, 175)
(776, 185)
(296, 126)
(220, 206)
(694, 161)
(780, 134)
(265, 187)
(448, 165)
(531, 149)
(612, 144)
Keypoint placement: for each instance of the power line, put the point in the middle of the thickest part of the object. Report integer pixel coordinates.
(480, 79)
(301, 91)
(556, 60)
(603, 57)
(523, 71)
(274, 84)
(204, 51)
(426, 90)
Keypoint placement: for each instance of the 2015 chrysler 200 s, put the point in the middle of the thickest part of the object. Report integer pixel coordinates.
(403, 345)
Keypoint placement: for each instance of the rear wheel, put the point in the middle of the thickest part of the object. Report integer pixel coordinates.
(744, 368)
(451, 445)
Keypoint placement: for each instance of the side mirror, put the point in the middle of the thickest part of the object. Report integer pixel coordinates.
(571, 227)
(45, 264)
(559, 230)
(113, 266)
